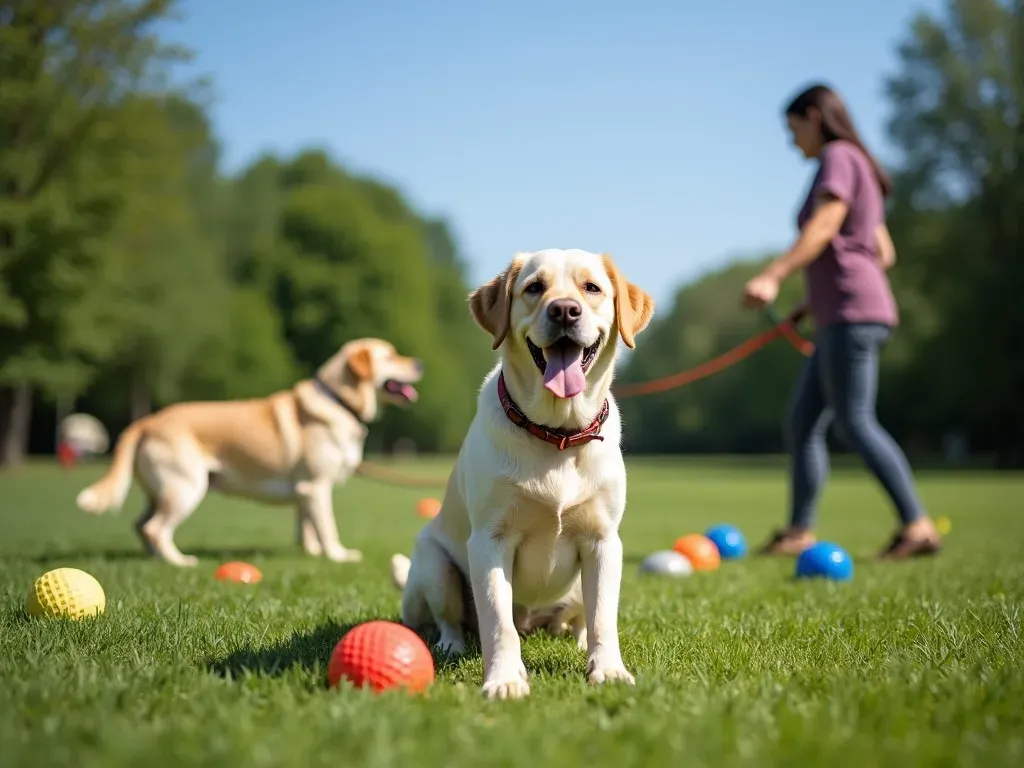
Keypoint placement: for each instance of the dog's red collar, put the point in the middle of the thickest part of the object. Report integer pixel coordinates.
(561, 439)
(330, 394)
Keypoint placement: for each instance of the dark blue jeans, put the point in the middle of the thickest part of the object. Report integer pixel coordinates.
(839, 383)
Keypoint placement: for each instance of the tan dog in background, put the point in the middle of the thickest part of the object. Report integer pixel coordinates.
(289, 448)
(528, 533)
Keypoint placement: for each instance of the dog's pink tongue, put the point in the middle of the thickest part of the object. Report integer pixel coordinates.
(563, 374)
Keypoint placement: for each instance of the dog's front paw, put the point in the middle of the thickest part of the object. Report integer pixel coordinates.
(345, 556)
(599, 674)
(507, 689)
(507, 685)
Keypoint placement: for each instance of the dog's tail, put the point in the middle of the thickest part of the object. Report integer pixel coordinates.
(400, 570)
(109, 491)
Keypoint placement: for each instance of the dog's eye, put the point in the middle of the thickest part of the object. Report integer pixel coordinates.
(592, 288)
(534, 288)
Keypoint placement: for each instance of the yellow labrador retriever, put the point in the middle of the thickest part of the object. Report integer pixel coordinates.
(289, 448)
(538, 490)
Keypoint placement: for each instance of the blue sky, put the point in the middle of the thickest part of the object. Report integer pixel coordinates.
(650, 130)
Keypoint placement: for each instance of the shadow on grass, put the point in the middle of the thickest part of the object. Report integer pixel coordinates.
(309, 651)
(212, 554)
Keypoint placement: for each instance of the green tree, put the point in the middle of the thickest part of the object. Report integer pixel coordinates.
(171, 293)
(958, 101)
(66, 69)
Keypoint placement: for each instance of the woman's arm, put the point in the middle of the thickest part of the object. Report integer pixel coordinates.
(835, 187)
(886, 247)
(824, 224)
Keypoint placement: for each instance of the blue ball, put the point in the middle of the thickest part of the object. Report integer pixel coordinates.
(730, 542)
(826, 561)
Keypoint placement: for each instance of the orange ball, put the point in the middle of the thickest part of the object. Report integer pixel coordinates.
(428, 508)
(699, 550)
(382, 655)
(246, 573)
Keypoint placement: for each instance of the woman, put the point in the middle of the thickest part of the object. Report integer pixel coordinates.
(844, 249)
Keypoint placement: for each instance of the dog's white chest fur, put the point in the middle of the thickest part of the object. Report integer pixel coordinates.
(336, 450)
(349, 456)
(546, 504)
(551, 518)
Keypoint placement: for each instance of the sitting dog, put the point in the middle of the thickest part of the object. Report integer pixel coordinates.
(289, 448)
(528, 532)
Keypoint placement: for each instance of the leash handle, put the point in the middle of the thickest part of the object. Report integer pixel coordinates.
(791, 319)
(787, 327)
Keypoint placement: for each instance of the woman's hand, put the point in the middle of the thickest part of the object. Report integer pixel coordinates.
(761, 291)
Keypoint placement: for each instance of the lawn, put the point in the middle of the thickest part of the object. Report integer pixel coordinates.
(909, 664)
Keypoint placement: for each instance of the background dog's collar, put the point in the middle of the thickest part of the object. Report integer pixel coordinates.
(559, 438)
(331, 394)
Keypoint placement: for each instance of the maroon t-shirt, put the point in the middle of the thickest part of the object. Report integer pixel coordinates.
(846, 284)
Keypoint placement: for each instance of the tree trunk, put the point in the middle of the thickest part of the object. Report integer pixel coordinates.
(15, 417)
(141, 405)
(64, 407)
(1009, 441)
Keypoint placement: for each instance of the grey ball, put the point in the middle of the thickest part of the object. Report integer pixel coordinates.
(666, 563)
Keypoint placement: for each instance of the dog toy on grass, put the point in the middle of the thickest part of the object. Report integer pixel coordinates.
(824, 560)
(699, 550)
(729, 541)
(428, 508)
(381, 655)
(245, 573)
(66, 592)
(667, 562)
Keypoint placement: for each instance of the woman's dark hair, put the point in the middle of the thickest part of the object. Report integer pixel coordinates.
(836, 123)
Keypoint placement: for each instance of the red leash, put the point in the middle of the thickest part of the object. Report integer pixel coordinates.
(785, 329)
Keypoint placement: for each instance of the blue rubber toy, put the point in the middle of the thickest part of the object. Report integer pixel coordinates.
(824, 560)
(729, 540)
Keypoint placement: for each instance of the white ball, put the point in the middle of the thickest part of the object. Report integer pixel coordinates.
(666, 563)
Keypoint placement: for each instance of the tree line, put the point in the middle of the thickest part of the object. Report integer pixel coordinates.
(135, 273)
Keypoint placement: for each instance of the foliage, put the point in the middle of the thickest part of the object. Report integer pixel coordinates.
(959, 121)
(71, 76)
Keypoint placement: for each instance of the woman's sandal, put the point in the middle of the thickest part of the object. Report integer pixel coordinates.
(786, 543)
(902, 547)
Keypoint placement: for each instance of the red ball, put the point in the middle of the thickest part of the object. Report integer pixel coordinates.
(246, 573)
(428, 508)
(382, 655)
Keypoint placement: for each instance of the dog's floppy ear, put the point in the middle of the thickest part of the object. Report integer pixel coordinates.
(633, 307)
(491, 304)
(360, 363)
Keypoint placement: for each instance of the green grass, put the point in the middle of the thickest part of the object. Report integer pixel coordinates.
(909, 664)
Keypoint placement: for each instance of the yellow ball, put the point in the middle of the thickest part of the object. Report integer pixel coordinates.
(943, 525)
(66, 592)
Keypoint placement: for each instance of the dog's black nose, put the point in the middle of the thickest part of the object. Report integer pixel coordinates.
(418, 365)
(565, 311)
